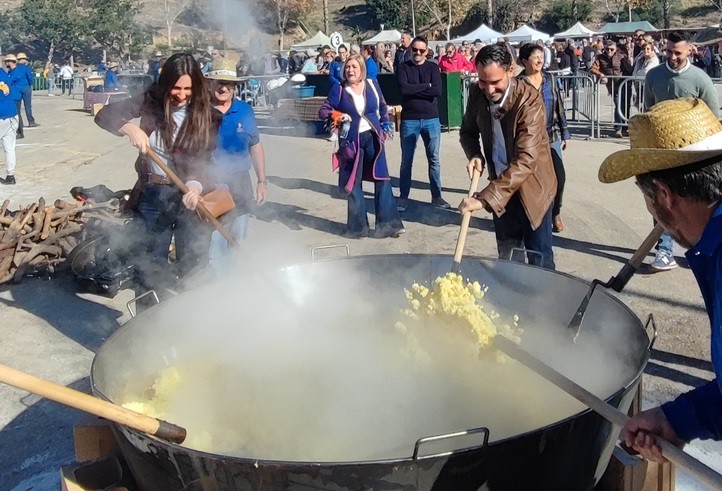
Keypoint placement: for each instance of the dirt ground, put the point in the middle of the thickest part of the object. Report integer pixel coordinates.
(51, 329)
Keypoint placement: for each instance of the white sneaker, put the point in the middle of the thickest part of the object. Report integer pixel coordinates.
(333, 137)
(663, 261)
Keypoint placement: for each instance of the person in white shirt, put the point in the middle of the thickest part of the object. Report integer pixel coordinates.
(66, 75)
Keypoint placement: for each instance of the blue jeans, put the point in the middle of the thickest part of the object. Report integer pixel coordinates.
(665, 243)
(387, 216)
(558, 162)
(163, 215)
(430, 131)
(27, 101)
(513, 231)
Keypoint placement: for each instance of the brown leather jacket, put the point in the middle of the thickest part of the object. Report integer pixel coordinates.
(530, 171)
(188, 167)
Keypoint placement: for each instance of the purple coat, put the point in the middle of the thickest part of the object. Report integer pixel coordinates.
(375, 113)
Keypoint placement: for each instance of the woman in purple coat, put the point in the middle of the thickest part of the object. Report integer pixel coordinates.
(361, 153)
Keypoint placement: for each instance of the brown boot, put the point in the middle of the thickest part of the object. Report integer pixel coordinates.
(557, 224)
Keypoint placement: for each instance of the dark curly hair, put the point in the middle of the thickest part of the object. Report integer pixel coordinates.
(494, 53)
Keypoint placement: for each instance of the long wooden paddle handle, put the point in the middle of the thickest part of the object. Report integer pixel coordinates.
(93, 405)
(610, 413)
(465, 220)
(201, 207)
(636, 260)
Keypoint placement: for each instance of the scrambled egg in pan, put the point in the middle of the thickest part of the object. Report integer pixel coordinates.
(451, 300)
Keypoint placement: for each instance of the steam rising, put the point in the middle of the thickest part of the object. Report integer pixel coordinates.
(327, 380)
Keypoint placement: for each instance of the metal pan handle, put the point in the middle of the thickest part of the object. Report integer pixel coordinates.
(131, 301)
(450, 436)
(650, 322)
(335, 246)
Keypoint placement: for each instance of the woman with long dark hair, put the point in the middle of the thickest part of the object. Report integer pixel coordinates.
(176, 122)
(531, 57)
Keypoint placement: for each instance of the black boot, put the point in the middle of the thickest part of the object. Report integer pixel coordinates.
(19, 136)
(10, 179)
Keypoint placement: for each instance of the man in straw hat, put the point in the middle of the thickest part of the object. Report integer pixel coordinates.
(676, 157)
(27, 95)
(111, 82)
(239, 148)
(677, 77)
(8, 128)
(17, 82)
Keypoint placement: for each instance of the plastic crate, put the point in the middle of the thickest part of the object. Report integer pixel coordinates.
(303, 92)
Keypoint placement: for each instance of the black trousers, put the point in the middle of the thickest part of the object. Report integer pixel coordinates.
(20, 118)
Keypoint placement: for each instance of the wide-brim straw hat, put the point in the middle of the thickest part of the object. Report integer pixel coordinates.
(113, 64)
(22, 56)
(671, 134)
(10, 57)
(223, 69)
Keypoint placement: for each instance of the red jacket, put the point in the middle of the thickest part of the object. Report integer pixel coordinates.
(457, 63)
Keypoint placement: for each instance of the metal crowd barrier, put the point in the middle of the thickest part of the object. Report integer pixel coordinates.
(580, 98)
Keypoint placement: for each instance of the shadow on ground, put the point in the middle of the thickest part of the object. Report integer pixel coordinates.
(38, 442)
(56, 302)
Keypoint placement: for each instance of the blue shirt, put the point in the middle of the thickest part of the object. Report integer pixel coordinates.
(698, 413)
(372, 69)
(7, 106)
(335, 72)
(236, 135)
(111, 81)
(18, 82)
(29, 76)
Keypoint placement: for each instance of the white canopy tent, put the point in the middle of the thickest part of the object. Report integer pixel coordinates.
(390, 36)
(318, 40)
(578, 30)
(483, 33)
(525, 34)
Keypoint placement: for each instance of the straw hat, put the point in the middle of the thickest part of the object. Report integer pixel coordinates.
(11, 57)
(158, 53)
(671, 134)
(22, 56)
(113, 64)
(223, 69)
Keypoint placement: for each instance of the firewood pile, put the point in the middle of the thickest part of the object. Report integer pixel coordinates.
(36, 239)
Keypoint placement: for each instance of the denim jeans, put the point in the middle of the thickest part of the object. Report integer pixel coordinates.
(387, 216)
(665, 243)
(163, 215)
(27, 101)
(556, 148)
(430, 131)
(513, 231)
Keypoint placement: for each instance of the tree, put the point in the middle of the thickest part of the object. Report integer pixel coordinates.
(58, 25)
(560, 15)
(615, 8)
(444, 11)
(171, 10)
(113, 24)
(395, 14)
(287, 12)
(325, 17)
(358, 35)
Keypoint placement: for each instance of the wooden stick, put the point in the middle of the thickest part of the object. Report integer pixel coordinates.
(92, 405)
(46, 223)
(201, 207)
(610, 413)
(4, 207)
(465, 220)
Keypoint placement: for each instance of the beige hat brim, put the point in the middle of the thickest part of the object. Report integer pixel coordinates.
(628, 163)
(226, 78)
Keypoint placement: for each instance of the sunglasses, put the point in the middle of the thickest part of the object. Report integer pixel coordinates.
(418, 50)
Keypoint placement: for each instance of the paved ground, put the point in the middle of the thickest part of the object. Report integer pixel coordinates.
(51, 330)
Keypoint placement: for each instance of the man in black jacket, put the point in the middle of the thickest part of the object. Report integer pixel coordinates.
(403, 53)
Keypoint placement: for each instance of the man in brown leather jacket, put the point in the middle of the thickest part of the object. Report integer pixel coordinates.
(509, 117)
(608, 67)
